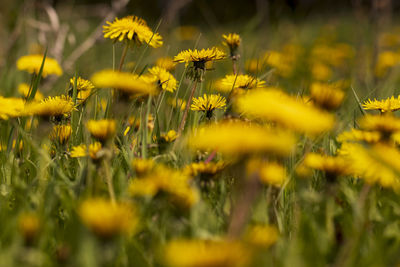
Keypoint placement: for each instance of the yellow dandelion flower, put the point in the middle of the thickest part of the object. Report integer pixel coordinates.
(384, 105)
(177, 103)
(127, 83)
(199, 57)
(385, 124)
(238, 138)
(163, 78)
(321, 71)
(241, 81)
(276, 106)
(208, 169)
(107, 219)
(166, 63)
(84, 88)
(11, 107)
(281, 62)
(206, 253)
(132, 28)
(261, 235)
(359, 135)
(50, 106)
(61, 133)
(83, 151)
(24, 90)
(208, 103)
(143, 166)
(385, 61)
(232, 40)
(102, 129)
(331, 165)
(29, 226)
(32, 63)
(270, 173)
(162, 179)
(186, 32)
(169, 137)
(326, 96)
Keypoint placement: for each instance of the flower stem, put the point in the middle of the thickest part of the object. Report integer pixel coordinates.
(234, 67)
(123, 56)
(185, 113)
(110, 186)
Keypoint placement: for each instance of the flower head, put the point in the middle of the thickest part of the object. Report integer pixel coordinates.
(29, 225)
(51, 106)
(332, 166)
(61, 133)
(205, 169)
(261, 235)
(276, 106)
(11, 107)
(270, 173)
(241, 81)
(208, 103)
(199, 57)
(83, 151)
(385, 105)
(83, 87)
(232, 40)
(32, 63)
(102, 129)
(132, 28)
(127, 83)
(165, 80)
(169, 137)
(385, 124)
(107, 219)
(166, 63)
(143, 166)
(356, 135)
(326, 96)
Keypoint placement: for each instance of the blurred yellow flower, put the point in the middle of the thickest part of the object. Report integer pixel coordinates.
(143, 166)
(169, 137)
(270, 173)
(385, 124)
(82, 151)
(274, 105)
(261, 235)
(107, 219)
(241, 81)
(186, 32)
(166, 63)
(333, 166)
(209, 168)
(132, 28)
(102, 129)
(29, 226)
(321, 71)
(11, 107)
(24, 90)
(326, 96)
(238, 138)
(359, 135)
(32, 63)
(206, 253)
(126, 82)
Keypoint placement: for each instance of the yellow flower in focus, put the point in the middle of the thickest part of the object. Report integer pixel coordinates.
(29, 226)
(169, 137)
(208, 103)
(50, 106)
(262, 235)
(163, 78)
(199, 57)
(276, 106)
(162, 179)
(166, 63)
(32, 63)
(84, 88)
(61, 133)
(385, 124)
(132, 28)
(359, 135)
(107, 219)
(11, 107)
(238, 138)
(232, 40)
(332, 166)
(384, 105)
(24, 90)
(241, 81)
(326, 96)
(102, 129)
(206, 253)
(126, 82)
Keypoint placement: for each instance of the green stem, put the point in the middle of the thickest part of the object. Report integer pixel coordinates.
(123, 56)
(185, 114)
(144, 125)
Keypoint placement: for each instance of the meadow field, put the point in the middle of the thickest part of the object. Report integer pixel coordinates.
(129, 141)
